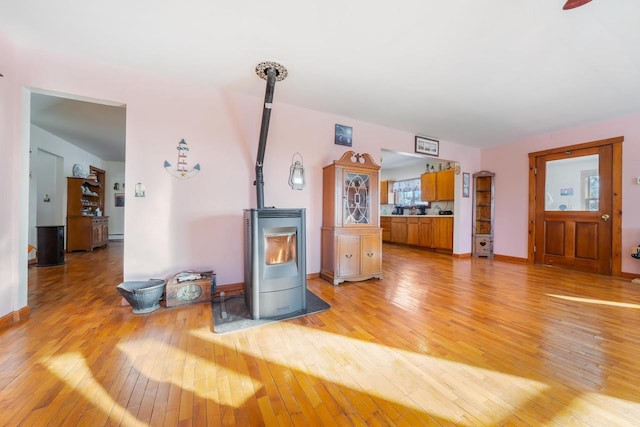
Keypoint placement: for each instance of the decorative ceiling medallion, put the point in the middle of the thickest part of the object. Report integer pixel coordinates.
(281, 72)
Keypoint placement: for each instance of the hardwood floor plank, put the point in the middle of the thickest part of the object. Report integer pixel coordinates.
(439, 341)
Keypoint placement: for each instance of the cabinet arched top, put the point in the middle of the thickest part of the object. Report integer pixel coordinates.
(351, 158)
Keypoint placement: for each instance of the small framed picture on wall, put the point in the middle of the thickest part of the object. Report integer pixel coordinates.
(119, 200)
(427, 146)
(466, 184)
(344, 135)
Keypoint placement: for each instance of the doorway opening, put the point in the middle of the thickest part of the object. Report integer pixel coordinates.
(575, 207)
(65, 134)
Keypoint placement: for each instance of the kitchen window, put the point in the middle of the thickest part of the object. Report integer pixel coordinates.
(408, 192)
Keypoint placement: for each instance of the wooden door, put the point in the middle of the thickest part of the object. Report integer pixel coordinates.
(574, 209)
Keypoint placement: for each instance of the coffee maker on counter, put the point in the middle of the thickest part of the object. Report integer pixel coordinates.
(398, 210)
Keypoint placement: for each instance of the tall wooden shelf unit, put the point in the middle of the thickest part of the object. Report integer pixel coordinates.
(483, 201)
(86, 230)
(351, 233)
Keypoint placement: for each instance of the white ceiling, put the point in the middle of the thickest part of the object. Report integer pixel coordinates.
(478, 73)
(96, 128)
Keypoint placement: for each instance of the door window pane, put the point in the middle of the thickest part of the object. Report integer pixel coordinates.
(572, 184)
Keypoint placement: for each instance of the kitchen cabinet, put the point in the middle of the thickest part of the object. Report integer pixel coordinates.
(425, 233)
(443, 233)
(428, 187)
(483, 196)
(385, 223)
(437, 186)
(434, 232)
(399, 230)
(387, 196)
(413, 225)
(351, 237)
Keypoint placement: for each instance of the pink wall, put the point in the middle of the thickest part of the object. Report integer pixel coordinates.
(511, 164)
(197, 223)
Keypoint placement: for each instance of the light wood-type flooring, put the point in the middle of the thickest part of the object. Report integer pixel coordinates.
(439, 341)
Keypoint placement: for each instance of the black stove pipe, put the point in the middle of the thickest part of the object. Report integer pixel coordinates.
(264, 129)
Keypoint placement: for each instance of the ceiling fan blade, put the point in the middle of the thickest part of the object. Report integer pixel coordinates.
(571, 4)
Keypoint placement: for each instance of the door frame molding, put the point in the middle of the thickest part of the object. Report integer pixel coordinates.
(616, 214)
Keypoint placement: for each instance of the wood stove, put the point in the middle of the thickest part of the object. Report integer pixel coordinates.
(275, 273)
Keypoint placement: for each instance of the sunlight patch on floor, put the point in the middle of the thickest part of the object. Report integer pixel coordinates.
(74, 371)
(595, 301)
(190, 372)
(406, 378)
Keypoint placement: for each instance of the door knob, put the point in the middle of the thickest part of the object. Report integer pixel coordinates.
(605, 217)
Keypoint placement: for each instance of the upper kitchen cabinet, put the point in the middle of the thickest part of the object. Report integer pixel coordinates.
(438, 186)
(387, 196)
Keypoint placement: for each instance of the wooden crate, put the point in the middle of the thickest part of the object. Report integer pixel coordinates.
(189, 292)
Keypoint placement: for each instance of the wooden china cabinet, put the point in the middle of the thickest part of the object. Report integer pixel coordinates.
(351, 233)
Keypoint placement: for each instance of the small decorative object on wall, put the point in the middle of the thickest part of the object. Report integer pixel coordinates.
(344, 135)
(140, 190)
(427, 146)
(466, 182)
(180, 170)
(119, 200)
(78, 171)
(296, 172)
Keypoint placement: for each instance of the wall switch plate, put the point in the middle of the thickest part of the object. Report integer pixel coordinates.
(638, 180)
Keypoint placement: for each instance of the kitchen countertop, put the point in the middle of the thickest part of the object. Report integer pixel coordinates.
(419, 216)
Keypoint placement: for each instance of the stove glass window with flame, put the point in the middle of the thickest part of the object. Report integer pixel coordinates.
(280, 248)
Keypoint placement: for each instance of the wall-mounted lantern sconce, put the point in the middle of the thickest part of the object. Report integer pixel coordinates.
(140, 190)
(296, 173)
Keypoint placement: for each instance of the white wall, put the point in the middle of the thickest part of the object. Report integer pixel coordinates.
(52, 159)
(10, 244)
(115, 173)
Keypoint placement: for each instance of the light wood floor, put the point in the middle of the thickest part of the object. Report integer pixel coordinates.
(439, 341)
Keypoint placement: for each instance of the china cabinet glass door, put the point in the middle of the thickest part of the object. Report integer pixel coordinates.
(357, 208)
